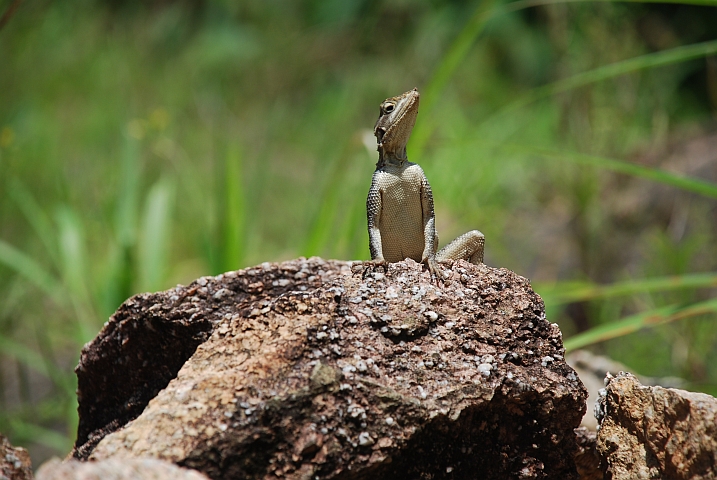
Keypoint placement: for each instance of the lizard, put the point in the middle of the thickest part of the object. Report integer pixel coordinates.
(399, 207)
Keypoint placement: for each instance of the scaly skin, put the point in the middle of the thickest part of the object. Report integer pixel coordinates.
(401, 218)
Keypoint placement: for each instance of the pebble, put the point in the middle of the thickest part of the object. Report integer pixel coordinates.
(431, 315)
(365, 439)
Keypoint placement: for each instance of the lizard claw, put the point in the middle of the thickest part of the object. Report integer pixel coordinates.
(436, 273)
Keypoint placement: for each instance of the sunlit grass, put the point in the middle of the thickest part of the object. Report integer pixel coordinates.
(568, 292)
(634, 323)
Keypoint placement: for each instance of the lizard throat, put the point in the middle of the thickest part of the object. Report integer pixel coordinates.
(391, 158)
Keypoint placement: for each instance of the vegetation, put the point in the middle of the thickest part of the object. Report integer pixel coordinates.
(144, 144)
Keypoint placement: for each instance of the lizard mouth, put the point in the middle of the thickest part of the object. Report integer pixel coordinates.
(380, 132)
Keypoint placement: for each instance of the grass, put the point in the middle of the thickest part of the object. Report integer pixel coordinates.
(634, 323)
(143, 147)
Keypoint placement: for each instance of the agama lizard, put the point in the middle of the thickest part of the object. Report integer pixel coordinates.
(401, 219)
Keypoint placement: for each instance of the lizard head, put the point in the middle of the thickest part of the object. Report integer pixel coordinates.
(395, 123)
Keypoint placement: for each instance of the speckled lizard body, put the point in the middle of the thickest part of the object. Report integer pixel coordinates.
(401, 219)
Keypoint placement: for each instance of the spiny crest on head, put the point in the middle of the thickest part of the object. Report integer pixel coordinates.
(395, 123)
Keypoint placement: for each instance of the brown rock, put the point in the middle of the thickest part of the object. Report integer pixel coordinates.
(655, 432)
(311, 371)
(15, 463)
(116, 469)
(136, 354)
(592, 369)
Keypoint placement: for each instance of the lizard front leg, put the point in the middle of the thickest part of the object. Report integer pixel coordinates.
(430, 237)
(374, 207)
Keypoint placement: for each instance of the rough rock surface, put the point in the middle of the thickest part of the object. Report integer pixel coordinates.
(587, 459)
(655, 432)
(136, 354)
(116, 469)
(592, 369)
(15, 463)
(312, 371)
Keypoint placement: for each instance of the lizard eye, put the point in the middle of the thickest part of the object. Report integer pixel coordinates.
(389, 108)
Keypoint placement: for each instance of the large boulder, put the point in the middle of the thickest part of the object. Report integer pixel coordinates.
(655, 432)
(303, 369)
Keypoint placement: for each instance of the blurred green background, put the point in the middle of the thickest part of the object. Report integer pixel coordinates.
(146, 143)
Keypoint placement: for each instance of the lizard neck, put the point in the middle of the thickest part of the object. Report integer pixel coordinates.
(396, 159)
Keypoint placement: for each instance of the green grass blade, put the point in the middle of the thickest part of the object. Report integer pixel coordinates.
(73, 254)
(36, 216)
(128, 195)
(523, 4)
(64, 379)
(455, 54)
(354, 221)
(31, 271)
(651, 60)
(445, 70)
(154, 243)
(27, 356)
(24, 354)
(636, 322)
(234, 227)
(70, 414)
(320, 232)
(566, 293)
(122, 274)
(486, 11)
(75, 271)
(119, 276)
(31, 433)
(689, 184)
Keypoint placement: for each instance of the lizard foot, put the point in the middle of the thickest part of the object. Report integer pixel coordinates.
(369, 266)
(435, 269)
